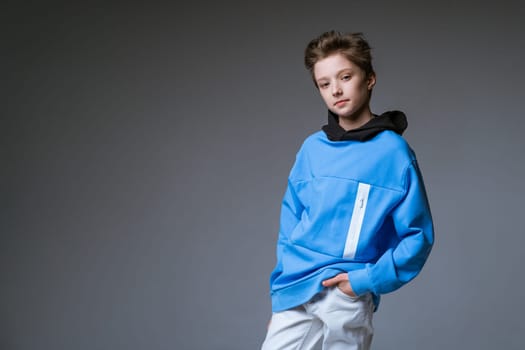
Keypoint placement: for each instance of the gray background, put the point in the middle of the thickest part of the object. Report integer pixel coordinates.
(145, 151)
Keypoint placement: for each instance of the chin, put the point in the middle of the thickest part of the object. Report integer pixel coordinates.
(350, 115)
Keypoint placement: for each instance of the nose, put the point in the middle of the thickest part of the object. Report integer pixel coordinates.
(336, 90)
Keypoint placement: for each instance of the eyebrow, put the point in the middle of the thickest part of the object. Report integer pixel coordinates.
(344, 70)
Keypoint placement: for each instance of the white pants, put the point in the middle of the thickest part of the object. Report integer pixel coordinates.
(332, 319)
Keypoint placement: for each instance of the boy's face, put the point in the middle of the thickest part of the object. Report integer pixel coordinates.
(344, 87)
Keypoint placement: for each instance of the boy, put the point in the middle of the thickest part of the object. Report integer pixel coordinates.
(355, 220)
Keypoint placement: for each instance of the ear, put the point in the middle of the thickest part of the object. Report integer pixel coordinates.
(371, 81)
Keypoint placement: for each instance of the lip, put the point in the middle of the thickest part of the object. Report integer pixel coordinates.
(341, 102)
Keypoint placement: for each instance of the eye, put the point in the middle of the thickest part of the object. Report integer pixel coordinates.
(346, 77)
(323, 85)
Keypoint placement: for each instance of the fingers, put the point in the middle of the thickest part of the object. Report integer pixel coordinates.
(335, 280)
(332, 281)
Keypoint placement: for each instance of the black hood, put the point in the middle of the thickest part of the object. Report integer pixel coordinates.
(391, 120)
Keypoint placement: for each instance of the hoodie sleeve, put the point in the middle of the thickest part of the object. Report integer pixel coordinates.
(291, 210)
(292, 206)
(413, 223)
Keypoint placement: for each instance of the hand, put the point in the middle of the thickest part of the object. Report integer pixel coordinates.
(341, 282)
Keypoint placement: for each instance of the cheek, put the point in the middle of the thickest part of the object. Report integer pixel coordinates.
(324, 95)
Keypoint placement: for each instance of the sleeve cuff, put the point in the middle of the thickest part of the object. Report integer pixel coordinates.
(360, 281)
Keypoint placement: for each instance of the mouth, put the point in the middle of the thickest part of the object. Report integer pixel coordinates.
(341, 102)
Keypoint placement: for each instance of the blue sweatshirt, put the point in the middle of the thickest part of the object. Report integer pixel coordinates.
(356, 205)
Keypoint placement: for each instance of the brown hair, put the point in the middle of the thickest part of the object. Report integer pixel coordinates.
(351, 45)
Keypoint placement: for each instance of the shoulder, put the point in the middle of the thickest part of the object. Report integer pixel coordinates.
(308, 150)
(394, 144)
(314, 139)
(312, 143)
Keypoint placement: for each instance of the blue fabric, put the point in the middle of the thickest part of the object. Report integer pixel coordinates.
(396, 235)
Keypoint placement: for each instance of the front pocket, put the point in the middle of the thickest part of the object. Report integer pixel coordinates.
(344, 295)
